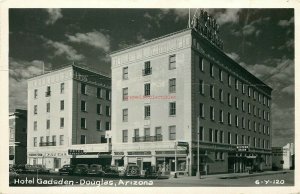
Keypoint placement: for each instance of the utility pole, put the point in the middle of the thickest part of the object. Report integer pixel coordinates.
(198, 149)
(175, 176)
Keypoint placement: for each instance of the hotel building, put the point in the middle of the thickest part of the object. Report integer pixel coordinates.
(164, 86)
(69, 117)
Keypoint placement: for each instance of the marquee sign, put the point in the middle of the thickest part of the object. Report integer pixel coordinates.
(242, 148)
(76, 152)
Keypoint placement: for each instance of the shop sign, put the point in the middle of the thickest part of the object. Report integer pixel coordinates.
(119, 153)
(55, 154)
(242, 148)
(76, 152)
(183, 144)
(140, 153)
(35, 154)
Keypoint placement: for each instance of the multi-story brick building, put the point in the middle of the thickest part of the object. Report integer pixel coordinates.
(162, 87)
(18, 137)
(68, 110)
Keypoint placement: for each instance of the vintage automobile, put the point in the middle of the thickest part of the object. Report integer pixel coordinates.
(37, 168)
(67, 169)
(111, 171)
(132, 171)
(81, 169)
(96, 169)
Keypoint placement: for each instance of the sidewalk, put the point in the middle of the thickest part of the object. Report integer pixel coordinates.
(232, 175)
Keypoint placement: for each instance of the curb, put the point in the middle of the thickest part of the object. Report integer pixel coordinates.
(252, 175)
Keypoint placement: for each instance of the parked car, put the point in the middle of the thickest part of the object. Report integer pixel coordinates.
(67, 169)
(20, 168)
(111, 171)
(81, 169)
(12, 175)
(37, 168)
(151, 172)
(96, 169)
(132, 171)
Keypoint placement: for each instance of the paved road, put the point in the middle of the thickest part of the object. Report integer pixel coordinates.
(282, 179)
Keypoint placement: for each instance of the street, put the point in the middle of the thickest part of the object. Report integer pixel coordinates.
(279, 179)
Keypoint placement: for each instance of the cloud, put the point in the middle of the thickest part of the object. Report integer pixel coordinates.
(62, 49)
(248, 30)
(289, 44)
(19, 72)
(95, 39)
(285, 23)
(289, 89)
(227, 16)
(54, 15)
(234, 56)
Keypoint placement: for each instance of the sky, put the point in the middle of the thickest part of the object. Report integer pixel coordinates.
(260, 40)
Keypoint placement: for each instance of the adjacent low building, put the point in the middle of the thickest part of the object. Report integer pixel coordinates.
(283, 157)
(169, 89)
(69, 113)
(18, 137)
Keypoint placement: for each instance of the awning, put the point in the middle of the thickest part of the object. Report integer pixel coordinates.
(250, 157)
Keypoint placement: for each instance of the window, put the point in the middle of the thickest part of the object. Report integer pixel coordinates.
(249, 91)
(254, 95)
(229, 80)
(264, 114)
(147, 112)
(264, 129)
(243, 139)
(221, 96)
(103, 139)
(229, 118)
(48, 124)
(212, 113)
(99, 93)
(107, 125)
(264, 100)
(125, 115)
(125, 94)
(236, 84)
(125, 73)
(125, 136)
(243, 105)
(268, 116)
(216, 135)
(249, 108)
(108, 96)
(201, 134)
(136, 133)
(236, 139)
(211, 70)
(83, 88)
(229, 138)
(35, 93)
(220, 75)
(41, 139)
(147, 134)
(48, 107)
(82, 139)
(221, 136)
(229, 99)
(254, 126)
(268, 102)
(259, 98)
(61, 140)
(236, 120)
(249, 140)
(243, 88)
(98, 125)
(201, 107)
(258, 113)
(35, 125)
(268, 130)
(148, 69)
(62, 88)
(172, 132)
(35, 142)
(254, 142)
(99, 109)
(172, 108)
(48, 91)
(201, 64)
(47, 139)
(172, 85)
(62, 122)
(243, 123)
(201, 86)
(158, 134)
(107, 110)
(221, 116)
(62, 105)
(211, 135)
(258, 143)
(236, 103)
(254, 110)
(147, 89)
(83, 123)
(83, 106)
(249, 124)
(172, 62)
(212, 91)
(259, 128)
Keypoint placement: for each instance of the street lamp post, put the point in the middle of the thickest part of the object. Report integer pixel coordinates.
(198, 149)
